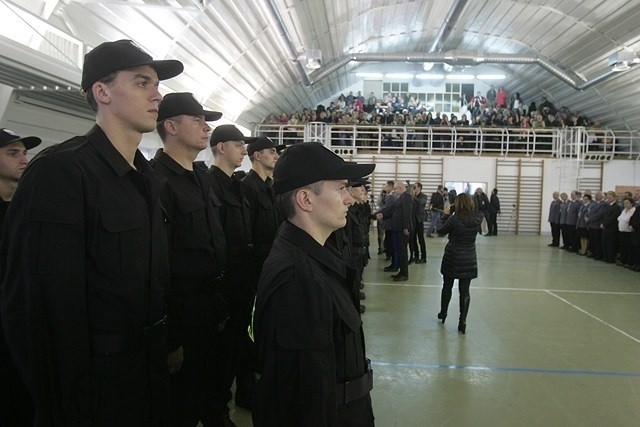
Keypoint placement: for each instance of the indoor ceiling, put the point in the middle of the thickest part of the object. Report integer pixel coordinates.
(243, 57)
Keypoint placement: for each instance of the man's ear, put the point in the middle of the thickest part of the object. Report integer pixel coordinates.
(304, 199)
(101, 93)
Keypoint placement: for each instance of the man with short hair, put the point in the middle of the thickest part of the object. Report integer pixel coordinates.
(400, 214)
(609, 227)
(228, 147)
(308, 332)
(437, 208)
(197, 255)
(420, 211)
(18, 409)
(85, 312)
(554, 220)
(594, 216)
(574, 204)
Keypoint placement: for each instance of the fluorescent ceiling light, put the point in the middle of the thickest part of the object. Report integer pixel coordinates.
(430, 76)
(490, 77)
(459, 77)
(447, 67)
(621, 66)
(398, 76)
(370, 75)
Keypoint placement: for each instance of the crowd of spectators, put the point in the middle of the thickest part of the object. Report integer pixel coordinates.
(497, 109)
(406, 112)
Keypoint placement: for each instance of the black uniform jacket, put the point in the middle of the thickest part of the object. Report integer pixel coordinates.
(84, 260)
(235, 214)
(308, 334)
(459, 260)
(196, 239)
(265, 219)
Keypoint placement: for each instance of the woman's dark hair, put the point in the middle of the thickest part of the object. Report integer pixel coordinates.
(630, 199)
(495, 191)
(464, 206)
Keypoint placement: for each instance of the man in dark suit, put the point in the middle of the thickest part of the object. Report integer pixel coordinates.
(609, 228)
(554, 220)
(594, 217)
(573, 209)
(400, 214)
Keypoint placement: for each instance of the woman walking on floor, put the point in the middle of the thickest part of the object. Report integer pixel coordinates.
(459, 260)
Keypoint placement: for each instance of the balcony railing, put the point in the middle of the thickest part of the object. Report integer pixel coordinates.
(576, 142)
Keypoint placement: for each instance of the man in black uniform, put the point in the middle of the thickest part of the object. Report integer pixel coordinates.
(229, 149)
(311, 353)
(16, 408)
(85, 258)
(265, 221)
(197, 251)
(263, 154)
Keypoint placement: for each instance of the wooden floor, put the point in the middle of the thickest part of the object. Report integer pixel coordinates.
(553, 339)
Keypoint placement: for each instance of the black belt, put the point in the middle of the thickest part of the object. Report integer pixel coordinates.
(119, 342)
(353, 390)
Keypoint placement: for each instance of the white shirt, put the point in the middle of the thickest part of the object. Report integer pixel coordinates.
(623, 220)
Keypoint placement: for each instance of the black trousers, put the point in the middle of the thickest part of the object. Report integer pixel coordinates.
(610, 244)
(555, 234)
(595, 242)
(417, 243)
(626, 250)
(192, 385)
(492, 224)
(569, 237)
(400, 241)
(232, 356)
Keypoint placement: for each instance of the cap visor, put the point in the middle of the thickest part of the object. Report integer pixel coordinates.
(212, 116)
(353, 171)
(29, 141)
(168, 68)
(280, 148)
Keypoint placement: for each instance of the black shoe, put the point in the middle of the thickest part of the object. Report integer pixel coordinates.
(411, 261)
(388, 258)
(462, 327)
(553, 245)
(442, 316)
(391, 268)
(362, 295)
(400, 278)
(421, 261)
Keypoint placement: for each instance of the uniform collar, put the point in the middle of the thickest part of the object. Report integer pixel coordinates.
(325, 255)
(118, 163)
(167, 161)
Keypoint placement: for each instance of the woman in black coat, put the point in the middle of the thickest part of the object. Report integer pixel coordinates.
(459, 260)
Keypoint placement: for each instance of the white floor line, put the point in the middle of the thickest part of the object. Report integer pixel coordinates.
(484, 288)
(593, 316)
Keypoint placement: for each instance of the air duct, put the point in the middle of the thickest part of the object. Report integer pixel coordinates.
(461, 57)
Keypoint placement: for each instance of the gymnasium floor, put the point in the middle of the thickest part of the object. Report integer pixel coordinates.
(553, 339)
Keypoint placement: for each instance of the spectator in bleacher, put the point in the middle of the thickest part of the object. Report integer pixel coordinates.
(583, 230)
(547, 105)
(491, 96)
(517, 103)
(341, 104)
(501, 98)
(349, 98)
(625, 230)
(609, 228)
(283, 119)
(371, 103)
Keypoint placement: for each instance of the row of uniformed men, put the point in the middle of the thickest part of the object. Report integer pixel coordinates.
(84, 271)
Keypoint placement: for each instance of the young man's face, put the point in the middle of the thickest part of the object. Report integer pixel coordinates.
(331, 205)
(233, 152)
(193, 132)
(13, 161)
(133, 98)
(267, 157)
